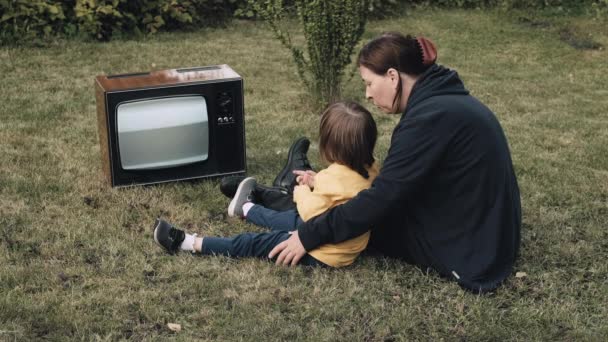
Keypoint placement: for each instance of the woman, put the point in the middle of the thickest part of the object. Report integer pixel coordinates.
(446, 197)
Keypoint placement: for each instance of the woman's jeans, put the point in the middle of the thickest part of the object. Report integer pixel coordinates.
(259, 244)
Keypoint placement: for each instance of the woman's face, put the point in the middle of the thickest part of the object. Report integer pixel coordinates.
(380, 89)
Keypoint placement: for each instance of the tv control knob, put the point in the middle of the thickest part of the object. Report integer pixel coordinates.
(225, 119)
(220, 120)
(225, 101)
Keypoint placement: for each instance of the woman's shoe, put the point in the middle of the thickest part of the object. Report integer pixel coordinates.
(296, 160)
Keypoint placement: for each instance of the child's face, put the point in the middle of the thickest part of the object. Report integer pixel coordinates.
(380, 89)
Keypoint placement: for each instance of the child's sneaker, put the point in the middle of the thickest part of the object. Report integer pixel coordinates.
(169, 237)
(242, 196)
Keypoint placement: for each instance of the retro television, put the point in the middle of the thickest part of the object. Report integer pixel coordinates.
(171, 125)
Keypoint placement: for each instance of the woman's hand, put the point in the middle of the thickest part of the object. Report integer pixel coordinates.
(291, 250)
(305, 177)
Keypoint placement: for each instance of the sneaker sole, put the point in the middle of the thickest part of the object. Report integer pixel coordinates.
(156, 232)
(237, 194)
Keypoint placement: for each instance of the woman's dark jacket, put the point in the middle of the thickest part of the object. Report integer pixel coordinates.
(446, 196)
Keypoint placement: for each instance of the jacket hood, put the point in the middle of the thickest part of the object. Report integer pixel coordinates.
(437, 80)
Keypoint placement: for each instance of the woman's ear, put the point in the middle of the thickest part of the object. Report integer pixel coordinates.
(393, 74)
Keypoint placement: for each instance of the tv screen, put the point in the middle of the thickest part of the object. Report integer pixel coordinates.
(162, 133)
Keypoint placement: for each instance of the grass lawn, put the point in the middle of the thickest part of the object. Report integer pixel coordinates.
(78, 261)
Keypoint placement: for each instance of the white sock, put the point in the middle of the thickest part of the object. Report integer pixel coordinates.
(188, 243)
(246, 208)
(198, 245)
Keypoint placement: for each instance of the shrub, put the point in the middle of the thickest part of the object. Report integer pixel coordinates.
(331, 30)
(600, 7)
(377, 8)
(30, 18)
(103, 19)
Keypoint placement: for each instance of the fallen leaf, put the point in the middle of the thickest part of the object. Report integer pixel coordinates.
(174, 327)
(521, 275)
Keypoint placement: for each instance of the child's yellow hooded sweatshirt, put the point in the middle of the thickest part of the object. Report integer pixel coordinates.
(334, 186)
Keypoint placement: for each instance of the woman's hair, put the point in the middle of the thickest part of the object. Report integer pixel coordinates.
(393, 50)
(347, 136)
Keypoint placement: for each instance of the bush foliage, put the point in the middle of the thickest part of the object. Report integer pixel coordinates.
(102, 19)
(105, 18)
(331, 29)
(30, 18)
(377, 9)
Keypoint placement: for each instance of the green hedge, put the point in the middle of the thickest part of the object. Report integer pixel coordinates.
(521, 4)
(28, 18)
(377, 8)
(103, 19)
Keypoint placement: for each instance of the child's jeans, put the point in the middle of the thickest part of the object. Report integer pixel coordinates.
(275, 220)
(259, 245)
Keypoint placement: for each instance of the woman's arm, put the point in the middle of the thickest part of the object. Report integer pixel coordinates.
(415, 148)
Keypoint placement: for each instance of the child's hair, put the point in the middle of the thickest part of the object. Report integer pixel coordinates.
(347, 136)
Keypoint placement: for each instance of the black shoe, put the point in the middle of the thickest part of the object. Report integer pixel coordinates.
(296, 160)
(169, 237)
(243, 195)
(229, 185)
(275, 198)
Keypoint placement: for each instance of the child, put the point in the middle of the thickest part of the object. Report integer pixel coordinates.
(347, 135)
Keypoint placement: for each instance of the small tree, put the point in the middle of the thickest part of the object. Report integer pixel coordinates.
(331, 29)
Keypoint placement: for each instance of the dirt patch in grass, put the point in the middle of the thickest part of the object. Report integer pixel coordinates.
(541, 24)
(578, 40)
(573, 37)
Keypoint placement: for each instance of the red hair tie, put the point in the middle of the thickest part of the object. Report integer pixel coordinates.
(429, 52)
